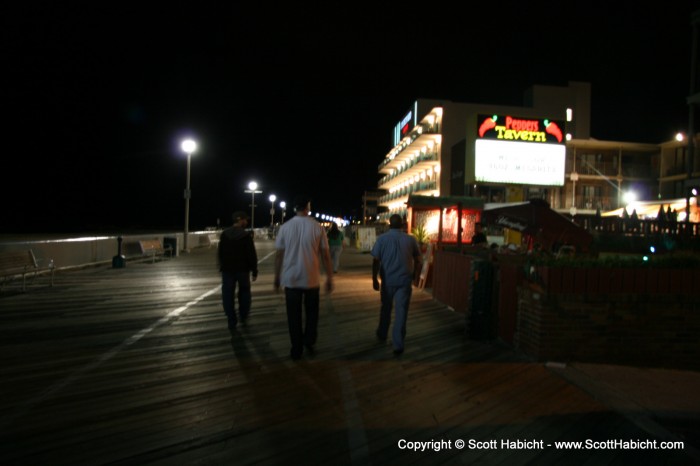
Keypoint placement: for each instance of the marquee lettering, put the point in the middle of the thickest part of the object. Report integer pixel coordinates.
(522, 135)
(510, 223)
(522, 125)
(519, 129)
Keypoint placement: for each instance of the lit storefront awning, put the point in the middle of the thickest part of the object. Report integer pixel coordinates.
(537, 220)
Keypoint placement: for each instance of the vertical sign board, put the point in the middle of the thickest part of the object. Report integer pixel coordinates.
(366, 237)
(402, 128)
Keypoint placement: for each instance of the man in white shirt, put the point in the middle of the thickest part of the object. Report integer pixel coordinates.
(302, 245)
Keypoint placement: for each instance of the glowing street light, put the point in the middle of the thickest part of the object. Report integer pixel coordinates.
(252, 189)
(272, 210)
(188, 146)
(283, 206)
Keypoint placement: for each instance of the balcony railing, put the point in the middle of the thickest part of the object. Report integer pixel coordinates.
(429, 157)
(414, 134)
(415, 188)
(608, 169)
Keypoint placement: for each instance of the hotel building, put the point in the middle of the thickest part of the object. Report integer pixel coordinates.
(541, 150)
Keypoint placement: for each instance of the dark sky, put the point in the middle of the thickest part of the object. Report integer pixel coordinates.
(97, 97)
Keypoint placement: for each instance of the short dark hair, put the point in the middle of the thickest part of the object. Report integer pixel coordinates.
(395, 221)
(301, 202)
(240, 215)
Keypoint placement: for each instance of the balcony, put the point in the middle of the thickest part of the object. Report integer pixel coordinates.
(408, 170)
(410, 148)
(401, 195)
(605, 169)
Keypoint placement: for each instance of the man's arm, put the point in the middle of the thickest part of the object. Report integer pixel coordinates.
(325, 253)
(417, 267)
(326, 257)
(375, 273)
(253, 259)
(417, 263)
(279, 256)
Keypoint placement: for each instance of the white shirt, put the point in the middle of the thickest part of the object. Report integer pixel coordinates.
(302, 239)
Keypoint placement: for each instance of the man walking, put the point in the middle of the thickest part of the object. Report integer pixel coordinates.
(302, 245)
(237, 260)
(397, 260)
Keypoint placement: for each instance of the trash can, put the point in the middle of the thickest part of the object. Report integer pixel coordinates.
(171, 242)
(119, 261)
(480, 316)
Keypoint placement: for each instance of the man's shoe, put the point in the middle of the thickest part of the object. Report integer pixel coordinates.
(380, 338)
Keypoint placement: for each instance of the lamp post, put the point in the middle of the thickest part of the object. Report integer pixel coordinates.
(283, 206)
(272, 210)
(252, 189)
(189, 147)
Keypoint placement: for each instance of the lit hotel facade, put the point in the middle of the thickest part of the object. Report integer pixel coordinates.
(541, 150)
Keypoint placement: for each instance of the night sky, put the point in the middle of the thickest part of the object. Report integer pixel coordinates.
(97, 97)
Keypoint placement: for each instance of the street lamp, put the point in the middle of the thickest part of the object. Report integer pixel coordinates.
(189, 147)
(272, 210)
(252, 189)
(283, 206)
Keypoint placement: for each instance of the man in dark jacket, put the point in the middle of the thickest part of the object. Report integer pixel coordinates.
(237, 261)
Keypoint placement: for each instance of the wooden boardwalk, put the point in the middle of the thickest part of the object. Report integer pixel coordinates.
(136, 366)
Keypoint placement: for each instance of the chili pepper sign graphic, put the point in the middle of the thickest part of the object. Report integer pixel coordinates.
(487, 124)
(553, 129)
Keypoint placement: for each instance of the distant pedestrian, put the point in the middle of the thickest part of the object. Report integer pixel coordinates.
(335, 243)
(302, 246)
(479, 238)
(238, 260)
(397, 260)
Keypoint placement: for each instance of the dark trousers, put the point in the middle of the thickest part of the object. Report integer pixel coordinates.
(229, 282)
(302, 333)
(401, 295)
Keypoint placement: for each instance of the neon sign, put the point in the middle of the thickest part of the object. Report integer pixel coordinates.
(405, 123)
(514, 150)
(508, 128)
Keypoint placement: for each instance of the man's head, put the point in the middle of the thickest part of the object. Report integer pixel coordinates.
(302, 204)
(395, 221)
(240, 218)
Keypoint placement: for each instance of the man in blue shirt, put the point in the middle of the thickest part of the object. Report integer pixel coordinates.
(397, 260)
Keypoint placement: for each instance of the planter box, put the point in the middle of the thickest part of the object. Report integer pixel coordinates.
(628, 280)
(568, 280)
(640, 280)
(652, 281)
(592, 280)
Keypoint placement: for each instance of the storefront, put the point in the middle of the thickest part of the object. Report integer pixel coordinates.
(441, 220)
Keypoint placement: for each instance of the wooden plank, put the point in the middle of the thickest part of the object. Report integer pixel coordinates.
(79, 388)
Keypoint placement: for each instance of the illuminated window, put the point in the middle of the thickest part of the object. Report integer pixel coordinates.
(569, 114)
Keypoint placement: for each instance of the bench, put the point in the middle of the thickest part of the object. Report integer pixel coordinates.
(154, 248)
(21, 263)
(213, 239)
